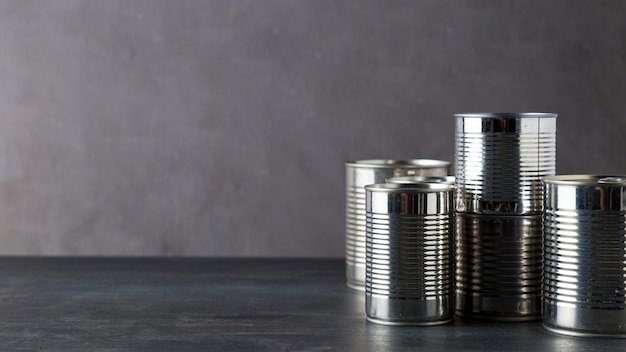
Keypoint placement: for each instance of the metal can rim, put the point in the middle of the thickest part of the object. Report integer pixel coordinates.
(507, 114)
(404, 163)
(421, 179)
(500, 216)
(411, 187)
(593, 180)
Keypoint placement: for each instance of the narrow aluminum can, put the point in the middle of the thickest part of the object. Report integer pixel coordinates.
(364, 172)
(584, 255)
(410, 254)
(498, 267)
(500, 159)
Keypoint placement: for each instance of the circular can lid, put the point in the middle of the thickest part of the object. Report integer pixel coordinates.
(421, 179)
(403, 163)
(587, 180)
(410, 187)
(507, 114)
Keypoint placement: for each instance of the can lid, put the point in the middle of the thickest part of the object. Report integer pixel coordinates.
(421, 179)
(410, 187)
(587, 180)
(407, 163)
(508, 114)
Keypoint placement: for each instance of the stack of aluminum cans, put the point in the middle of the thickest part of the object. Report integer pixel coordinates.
(500, 160)
(504, 239)
(365, 172)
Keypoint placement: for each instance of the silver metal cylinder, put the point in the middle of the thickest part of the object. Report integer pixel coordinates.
(584, 256)
(365, 172)
(500, 159)
(498, 267)
(409, 251)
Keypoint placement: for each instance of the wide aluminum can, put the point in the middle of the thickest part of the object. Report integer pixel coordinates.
(498, 267)
(584, 255)
(364, 172)
(500, 159)
(409, 254)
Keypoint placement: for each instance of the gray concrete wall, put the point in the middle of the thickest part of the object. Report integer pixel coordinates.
(220, 128)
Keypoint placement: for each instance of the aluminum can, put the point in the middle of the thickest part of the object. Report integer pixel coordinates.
(498, 267)
(410, 254)
(584, 256)
(500, 159)
(364, 172)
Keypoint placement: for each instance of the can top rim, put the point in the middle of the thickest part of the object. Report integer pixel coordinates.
(413, 187)
(587, 180)
(421, 179)
(405, 163)
(492, 115)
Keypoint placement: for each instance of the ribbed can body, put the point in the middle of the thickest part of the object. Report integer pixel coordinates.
(364, 172)
(584, 256)
(498, 274)
(409, 254)
(500, 160)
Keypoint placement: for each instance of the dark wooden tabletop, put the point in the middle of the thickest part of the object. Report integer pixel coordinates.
(159, 304)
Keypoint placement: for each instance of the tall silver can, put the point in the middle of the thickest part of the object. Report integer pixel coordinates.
(498, 267)
(365, 172)
(500, 159)
(584, 256)
(410, 249)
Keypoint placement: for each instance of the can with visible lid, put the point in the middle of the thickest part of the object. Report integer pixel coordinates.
(364, 172)
(498, 267)
(409, 251)
(584, 255)
(500, 159)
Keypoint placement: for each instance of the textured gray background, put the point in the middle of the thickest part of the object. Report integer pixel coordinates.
(148, 127)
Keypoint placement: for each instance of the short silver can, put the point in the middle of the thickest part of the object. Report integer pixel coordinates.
(584, 255)
(410, 254)
(360, 173)
(498, 267)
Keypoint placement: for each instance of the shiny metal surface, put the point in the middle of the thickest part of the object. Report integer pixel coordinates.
(500, 159)
(409, 254)
(498, 267)
(421, 179)
(584, 258)
(364, 172)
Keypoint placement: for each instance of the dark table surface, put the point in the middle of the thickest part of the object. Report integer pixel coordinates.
(224, 305)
